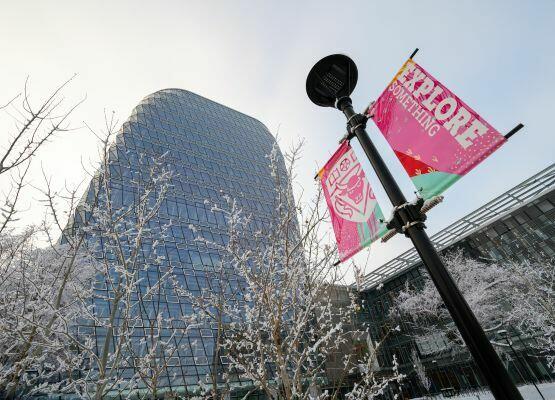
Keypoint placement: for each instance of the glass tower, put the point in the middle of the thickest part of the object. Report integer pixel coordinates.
(212, 151)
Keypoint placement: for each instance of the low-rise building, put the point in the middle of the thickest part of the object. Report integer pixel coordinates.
(519, 225)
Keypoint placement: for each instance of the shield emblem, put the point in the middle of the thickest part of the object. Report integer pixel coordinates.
(350, 193)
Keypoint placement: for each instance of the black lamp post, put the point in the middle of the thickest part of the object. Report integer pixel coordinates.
(329, 84)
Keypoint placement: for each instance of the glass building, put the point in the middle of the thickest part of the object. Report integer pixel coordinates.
(519, 225)
(212, 151)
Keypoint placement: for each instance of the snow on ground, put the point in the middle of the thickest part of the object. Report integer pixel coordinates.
(529, 392)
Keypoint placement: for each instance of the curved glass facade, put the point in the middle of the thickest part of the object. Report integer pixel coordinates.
(212, 150)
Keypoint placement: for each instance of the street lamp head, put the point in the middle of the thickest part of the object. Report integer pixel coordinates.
(331, 78)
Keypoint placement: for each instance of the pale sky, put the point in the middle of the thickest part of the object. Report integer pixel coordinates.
(497, 56)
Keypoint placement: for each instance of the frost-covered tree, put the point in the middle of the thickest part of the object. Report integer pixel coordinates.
(280, 327)
(503, 295)
(62, 278)
(126, 246)
(38, 295)
(29, 125)
(534, 305)
(38, 282)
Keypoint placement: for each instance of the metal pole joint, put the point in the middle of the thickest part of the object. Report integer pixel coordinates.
(354, 122)
(412, 216)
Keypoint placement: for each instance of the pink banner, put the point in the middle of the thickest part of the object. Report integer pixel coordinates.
(355, 213)
(435, 135)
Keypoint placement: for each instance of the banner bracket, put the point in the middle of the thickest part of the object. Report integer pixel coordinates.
(413, 209)
(354, 122)
(514, 130)
(345, 137)
(413, 53)
(426, 206)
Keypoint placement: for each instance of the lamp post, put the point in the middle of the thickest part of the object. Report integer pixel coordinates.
(505, 335)
(329, 84)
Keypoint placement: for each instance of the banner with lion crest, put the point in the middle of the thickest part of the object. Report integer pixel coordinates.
(355, 213)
